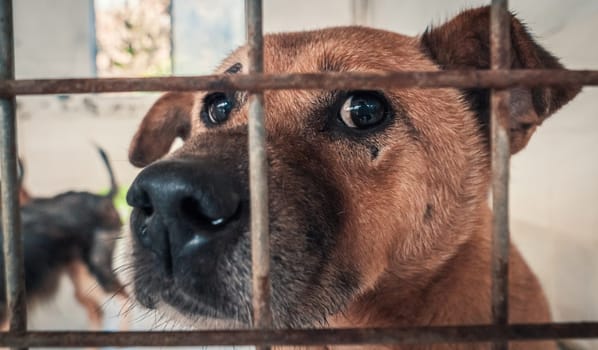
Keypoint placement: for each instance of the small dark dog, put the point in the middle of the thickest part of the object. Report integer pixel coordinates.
(73, 233)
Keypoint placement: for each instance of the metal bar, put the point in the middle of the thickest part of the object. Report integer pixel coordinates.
(360, 12)
(310, 81)
(500, 58)
(258, 175)
(171, 40)
(307, 337)
(14, 271)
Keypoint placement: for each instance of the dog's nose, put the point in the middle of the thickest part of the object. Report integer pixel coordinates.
(182, 204)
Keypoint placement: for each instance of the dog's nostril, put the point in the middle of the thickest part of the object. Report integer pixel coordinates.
(205, 213)
(147, 210)
(138, 197)
(190, 207)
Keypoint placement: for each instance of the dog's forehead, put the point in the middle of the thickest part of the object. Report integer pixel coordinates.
(341, 49)
(333, 49)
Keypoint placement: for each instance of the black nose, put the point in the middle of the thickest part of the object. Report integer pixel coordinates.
(181, 205)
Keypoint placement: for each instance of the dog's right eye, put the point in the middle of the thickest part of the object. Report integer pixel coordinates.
(217, 107)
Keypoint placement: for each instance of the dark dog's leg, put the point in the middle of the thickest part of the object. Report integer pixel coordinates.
(83, 283)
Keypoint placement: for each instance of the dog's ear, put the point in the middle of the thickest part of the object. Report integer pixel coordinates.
(167, 119)
(464, 43)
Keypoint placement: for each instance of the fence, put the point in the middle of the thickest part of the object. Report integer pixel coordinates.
(499, 78)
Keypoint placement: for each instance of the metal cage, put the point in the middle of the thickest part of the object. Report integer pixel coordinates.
(499, 78)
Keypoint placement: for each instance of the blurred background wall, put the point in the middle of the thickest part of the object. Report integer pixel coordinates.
(554, 184)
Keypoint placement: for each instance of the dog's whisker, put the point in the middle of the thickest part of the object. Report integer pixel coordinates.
(124, 268)
(127, 308)
(143, 316)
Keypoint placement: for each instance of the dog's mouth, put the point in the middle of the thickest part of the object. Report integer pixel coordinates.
(172, 300)
(305, 289)
(202, 276)
(191, 307)
(164, 292)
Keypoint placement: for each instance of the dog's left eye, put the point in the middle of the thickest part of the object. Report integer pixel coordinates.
(363, 109)
(217, 108)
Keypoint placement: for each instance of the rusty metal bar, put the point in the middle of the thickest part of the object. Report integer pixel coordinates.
(258, 175)
(500, 58)
(14, 271)
(360, 11)
(307, 337)
(311, 81)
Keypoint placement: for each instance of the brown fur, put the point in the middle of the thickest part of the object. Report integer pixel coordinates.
(171, 120)
(410, 216)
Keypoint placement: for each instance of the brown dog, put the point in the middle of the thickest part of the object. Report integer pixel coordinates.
(378, 199)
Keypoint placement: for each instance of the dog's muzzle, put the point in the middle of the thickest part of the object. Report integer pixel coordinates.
(183, 208)
(191, 246)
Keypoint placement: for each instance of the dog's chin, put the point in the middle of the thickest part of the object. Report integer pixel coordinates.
(186, 320)
(188, 312)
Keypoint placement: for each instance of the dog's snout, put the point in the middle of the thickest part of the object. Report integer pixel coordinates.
(182, 205)
(183, 191)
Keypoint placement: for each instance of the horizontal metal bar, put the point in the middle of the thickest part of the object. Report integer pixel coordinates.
(314, 81)
(356, 336)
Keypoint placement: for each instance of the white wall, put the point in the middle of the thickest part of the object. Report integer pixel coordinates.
(203, 33)
(54, 38)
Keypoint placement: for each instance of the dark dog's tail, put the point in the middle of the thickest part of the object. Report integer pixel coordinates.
(113, 185)
(24, 196)
(20, 172)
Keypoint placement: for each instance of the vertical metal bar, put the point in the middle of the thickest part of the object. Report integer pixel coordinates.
(258, 174)
(11, 223)
(361, 12)
(171, 36)
(93, 47)
(500, 46)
